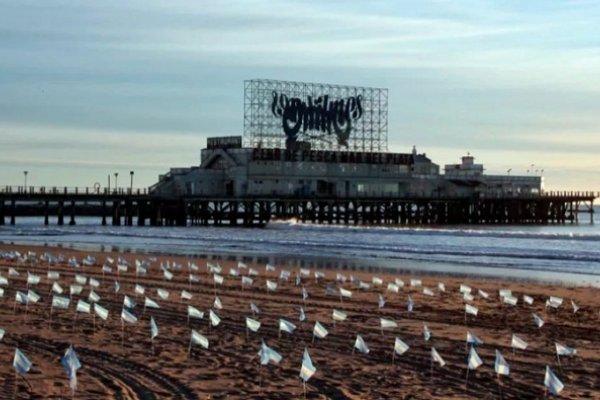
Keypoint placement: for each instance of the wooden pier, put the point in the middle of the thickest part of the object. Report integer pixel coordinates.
(138, 207)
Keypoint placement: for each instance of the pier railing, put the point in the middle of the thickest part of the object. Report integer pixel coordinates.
(71, 190)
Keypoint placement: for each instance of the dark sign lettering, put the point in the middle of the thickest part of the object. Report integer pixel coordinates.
(321, 115)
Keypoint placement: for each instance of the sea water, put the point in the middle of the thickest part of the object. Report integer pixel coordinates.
(567, 253)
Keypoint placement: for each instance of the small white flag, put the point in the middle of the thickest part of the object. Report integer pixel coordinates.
(168, 275)
(269, 267)
(128, 317)
(441, 287)
(468, 297)
(93, 297)
(247, 281)
(302, 316)
(473, 340)
(286, 326)
(510, 300)
(399, 282)
(538, 321)
(377, 281)
(60, 302)
(319, 330)
(339, 315)
(428, 292)
(217, 305)
(554, 302)
(387, 323)
(94, 282)
(252, 324)
(307, 369)
(149, 303)
(360, 345)
(101, 311)
(410, 305)
(214, 318)
(426, 333)
(575, 307)
(527, 299)
(252, 272)
(193, 312)
(56, 288)
(464, 289)
(83, 307)
(474, 360)
(482, 294)
(128, 302)
(75, 289)
(199, 339)
(32, 296)
(504, 292)
(271, 285)
(469, 309)
(53, 275)
(218, 279)
(32, 279)
(392, 287)
(139, 289)
(518, 343)
(345, 293)
(185, 295)
(501, 366)
(80, 279)
(21, 363)
(381, 302)
(153, 328)
(400, 347)
(268, 355)
(552, 382)
(563, 350)
(415, 282)
(435, 357)
(162, 293)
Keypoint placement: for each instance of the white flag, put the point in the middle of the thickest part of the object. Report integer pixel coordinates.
(518, 343)
(83, 307)
(101, 311)
(217, 303)
(269, 267)
(149, 303)
(252, 324)
(199, 339)
(271, 285)
(464, 289)
(302, 316)
(510, 300)
(128, 317)
(392, 287)
(410, 305)
(21, 297)
(214, 318)
(32, 296)
(139, 289)
(501, 366)
(552, 382)
(168, 275)
(128, 302)
(319, 330)
(575, 307)
(32, 279)
(381, 302)
(399, 282)
(153, 328)
(21, 363)
(377, 281)
(527, 299)
(53, 275)
(345, 293)
(247, 281)
(563, 350)
(93, 297)
(415, 282)
(554, 302)
(268, 355)
(193, 312)
(474, 360)
(435, 357)
(80, 279)
(387, 323)
(305, 273)
(56, 288)
(233, 272)
(60, 302)
(13, 272)
(468, 297)
(426, 333)
(94, 283)
(286, 326)
(363, 285)
(252, 272)
(162, 293)
(504, 292)
(469, 309)
(483, 294)
(428, 292)
(339, 315)
(75, 289)
(308, 369)
(194, 278)
(538, 321)
(441, 287)
(185, 295)
(218, 279)
(400, 347)
(473, 340)
(360, 345)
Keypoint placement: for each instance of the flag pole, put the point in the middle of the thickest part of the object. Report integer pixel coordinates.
(467, 380)
(393, 356)
(304, 387)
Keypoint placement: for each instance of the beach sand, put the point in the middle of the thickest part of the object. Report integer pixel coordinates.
(120, 364)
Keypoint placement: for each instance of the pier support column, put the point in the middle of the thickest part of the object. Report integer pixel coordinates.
(1, 212)
(103, 212)
(116, 218)
(129, 213)
(13, 210)
(141, 213)
(60, 212)
(46, 213)
(72, 220)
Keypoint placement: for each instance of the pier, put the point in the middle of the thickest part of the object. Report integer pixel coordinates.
(140, 207)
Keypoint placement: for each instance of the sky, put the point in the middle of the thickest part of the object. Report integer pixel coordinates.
(90, 88)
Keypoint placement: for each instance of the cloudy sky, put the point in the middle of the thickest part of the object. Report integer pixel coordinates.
(89, 88)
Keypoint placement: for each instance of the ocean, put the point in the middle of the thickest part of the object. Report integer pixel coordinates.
(567, 254)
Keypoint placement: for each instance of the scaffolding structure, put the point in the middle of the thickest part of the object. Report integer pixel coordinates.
(262, 128)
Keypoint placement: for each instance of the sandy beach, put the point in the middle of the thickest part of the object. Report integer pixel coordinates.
(121, 364)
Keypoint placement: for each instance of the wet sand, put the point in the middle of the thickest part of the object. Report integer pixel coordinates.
(120, 364)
